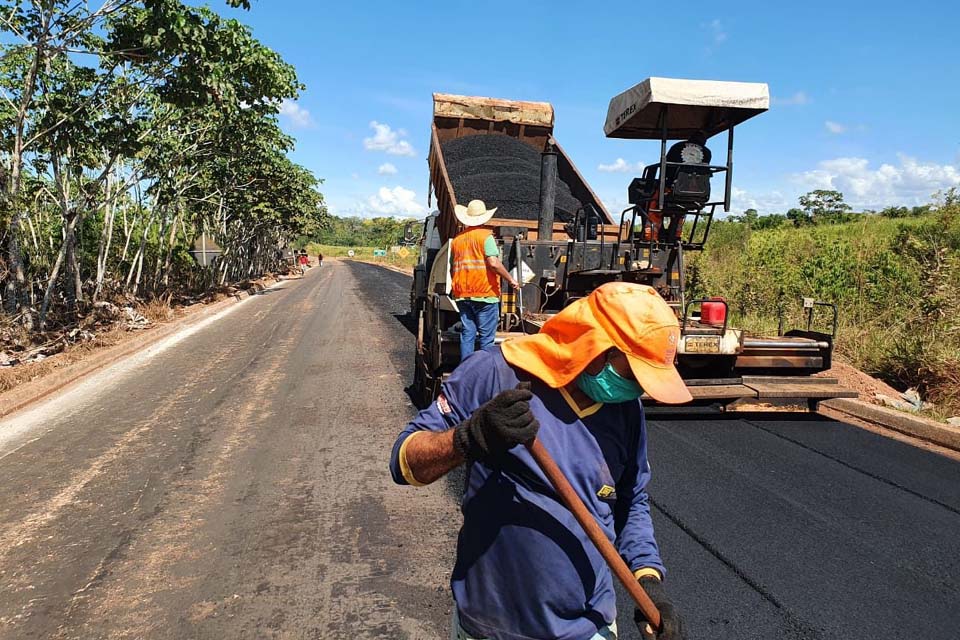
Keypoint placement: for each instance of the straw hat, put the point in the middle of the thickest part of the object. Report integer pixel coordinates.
(631, 317)
(474, 214)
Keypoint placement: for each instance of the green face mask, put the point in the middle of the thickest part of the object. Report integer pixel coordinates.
(608, 386)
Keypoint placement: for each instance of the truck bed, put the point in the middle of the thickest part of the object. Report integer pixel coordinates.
(529, 122)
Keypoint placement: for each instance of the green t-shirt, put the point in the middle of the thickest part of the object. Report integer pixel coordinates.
(490, 249)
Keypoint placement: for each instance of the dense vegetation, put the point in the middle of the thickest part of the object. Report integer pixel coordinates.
(895, 276)
(127, 129)
(381, 232)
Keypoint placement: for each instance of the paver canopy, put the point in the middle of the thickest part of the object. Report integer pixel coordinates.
(692, 105)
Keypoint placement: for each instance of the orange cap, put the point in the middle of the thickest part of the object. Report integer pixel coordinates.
(631, 317)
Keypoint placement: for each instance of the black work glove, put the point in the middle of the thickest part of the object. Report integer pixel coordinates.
(499, 425)
(671, 625)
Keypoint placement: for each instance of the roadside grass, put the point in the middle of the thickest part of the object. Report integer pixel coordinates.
(364, 254)
(157, 310)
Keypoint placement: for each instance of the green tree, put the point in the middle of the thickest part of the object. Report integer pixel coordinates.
(895, 212)
(822, 205)
(770, 222)
(749, 218)
(799, 217)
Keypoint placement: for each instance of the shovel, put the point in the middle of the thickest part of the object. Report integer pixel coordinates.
(599, 539)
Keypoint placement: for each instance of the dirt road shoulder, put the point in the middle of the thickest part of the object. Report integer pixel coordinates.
(41, 387)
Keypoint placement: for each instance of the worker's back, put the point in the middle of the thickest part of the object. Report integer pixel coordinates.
(468, 266)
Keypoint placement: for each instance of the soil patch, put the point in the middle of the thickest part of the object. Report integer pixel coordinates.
(866, 385)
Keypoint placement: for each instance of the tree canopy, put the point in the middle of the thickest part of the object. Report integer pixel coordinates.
(367, 232)
(128, 128)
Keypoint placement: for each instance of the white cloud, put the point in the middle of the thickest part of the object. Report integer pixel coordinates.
(299, 117)
(797, 99)
(387, 169)
(719, 32)
(835, 127)
(387, 140)
(907, 182)
(619, 166)
(395, 201)
(764, 202)
(910, 182)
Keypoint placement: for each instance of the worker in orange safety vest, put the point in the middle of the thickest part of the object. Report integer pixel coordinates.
(476, 270)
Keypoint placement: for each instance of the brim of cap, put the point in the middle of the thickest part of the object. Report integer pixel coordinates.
(472, 221)
(663, 384)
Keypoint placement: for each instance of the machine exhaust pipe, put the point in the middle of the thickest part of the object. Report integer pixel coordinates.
(548, 191)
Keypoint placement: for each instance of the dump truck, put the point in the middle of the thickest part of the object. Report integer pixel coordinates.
(561, 243)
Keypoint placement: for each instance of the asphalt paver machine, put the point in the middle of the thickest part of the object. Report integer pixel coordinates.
(672, 207)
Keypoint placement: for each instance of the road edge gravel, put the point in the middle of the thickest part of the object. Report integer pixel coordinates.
(27, 394)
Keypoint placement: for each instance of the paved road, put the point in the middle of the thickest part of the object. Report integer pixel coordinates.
(234, 485)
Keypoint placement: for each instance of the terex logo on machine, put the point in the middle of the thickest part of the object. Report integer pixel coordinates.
(629, 111)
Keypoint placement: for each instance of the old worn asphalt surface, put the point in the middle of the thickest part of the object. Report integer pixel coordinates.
(234, 485)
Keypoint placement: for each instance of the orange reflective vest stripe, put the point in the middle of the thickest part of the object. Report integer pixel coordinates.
(468, 267)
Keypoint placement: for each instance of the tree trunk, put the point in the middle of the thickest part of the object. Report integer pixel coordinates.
(170, 244)
(158, 263)
(33, 235)
(137, 265)
(72, 290)
(131, 271)
(70, 216)
(127, 234)
(138, 260)
(15, 285)
(17, 278)
(55, 273)
(224, 266)
(136, 282)
(103, 251)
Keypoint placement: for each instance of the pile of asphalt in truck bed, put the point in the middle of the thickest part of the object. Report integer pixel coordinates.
(505, 173)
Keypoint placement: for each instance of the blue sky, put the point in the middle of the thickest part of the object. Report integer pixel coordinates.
(866, 95)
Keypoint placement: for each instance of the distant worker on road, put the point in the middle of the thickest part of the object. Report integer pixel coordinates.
(476, 270)
(524, 567)
(304, 261)
(319, 259)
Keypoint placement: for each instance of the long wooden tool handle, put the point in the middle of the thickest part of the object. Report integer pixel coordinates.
(594, 532)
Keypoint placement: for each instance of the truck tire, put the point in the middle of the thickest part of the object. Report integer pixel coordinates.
(418, 389)
(421, 389)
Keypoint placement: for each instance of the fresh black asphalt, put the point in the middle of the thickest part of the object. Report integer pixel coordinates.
(805, 528)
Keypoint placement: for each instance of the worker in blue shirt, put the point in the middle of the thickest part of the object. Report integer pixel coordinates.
(524, 567)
